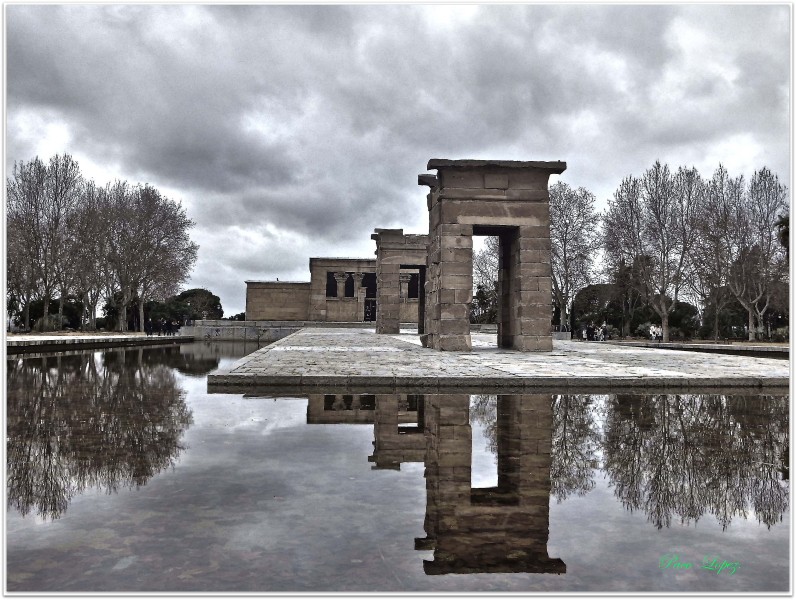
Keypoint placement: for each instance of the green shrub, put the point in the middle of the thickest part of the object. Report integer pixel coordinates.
(643, 330)
(50, 323)
(675, 333)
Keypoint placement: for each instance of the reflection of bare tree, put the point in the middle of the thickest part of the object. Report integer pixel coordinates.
(75, 423)
(575, 439)
(575, 443)
(188, 359)
(483, 410)
(684, 455)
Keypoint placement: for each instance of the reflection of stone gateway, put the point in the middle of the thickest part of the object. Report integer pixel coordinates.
(503, 529)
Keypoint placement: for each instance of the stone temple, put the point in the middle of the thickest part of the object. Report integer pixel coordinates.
(428, 278)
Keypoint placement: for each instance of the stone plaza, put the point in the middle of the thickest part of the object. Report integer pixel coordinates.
(348, 360)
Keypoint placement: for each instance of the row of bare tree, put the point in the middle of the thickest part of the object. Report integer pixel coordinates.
(67, 235)
(674, 457)
(712, 240)
(664, 237)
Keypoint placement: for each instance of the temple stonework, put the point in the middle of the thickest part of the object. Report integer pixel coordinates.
(502, 529)
(339, 290)
(399, 258)
(428, 278)
(507, 199)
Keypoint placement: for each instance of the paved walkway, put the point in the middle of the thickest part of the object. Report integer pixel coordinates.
(334, 359)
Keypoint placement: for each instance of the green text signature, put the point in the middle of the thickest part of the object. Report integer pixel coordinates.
(709, 563)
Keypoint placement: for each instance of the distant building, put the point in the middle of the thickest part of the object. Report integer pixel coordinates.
(339, 290)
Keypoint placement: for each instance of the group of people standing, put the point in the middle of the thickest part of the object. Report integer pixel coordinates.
(161, 327)
(656, 333)
(596, 333)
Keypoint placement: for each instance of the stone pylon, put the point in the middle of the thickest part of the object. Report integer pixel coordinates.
(507, 199)
(396, 250)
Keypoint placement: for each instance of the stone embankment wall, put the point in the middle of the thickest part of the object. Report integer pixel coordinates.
(279, 300)
(259, 331)
(271, 331)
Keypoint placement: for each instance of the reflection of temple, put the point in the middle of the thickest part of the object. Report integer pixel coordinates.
(398, 431)
(340, 408)
(397, 420)
(503, 529)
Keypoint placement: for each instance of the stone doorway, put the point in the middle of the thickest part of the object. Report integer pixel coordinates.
(508, 199)
(370, 309)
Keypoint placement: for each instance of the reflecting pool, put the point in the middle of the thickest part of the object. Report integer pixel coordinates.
(125, 475)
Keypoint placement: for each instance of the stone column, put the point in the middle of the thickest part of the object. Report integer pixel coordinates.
(404, 279)
(340, 277)
(360, 291)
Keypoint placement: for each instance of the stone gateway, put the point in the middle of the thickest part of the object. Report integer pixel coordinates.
(507, 199)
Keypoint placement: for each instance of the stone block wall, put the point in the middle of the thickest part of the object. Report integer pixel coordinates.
(339, 408)
(392, 443)
(277, 301)
(395, 249)
(449, 285)
(409, 309)
(323, 308)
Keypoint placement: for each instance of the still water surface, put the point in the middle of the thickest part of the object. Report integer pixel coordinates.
(124, 475)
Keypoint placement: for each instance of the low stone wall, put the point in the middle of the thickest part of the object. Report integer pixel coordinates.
(45, 343)
(263, 332)
(270, 331)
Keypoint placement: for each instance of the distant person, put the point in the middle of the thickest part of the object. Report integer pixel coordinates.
(148, 327)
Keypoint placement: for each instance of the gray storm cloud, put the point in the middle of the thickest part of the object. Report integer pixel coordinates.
(314, 121)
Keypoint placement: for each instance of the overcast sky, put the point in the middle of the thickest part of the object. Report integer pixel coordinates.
(294, 131)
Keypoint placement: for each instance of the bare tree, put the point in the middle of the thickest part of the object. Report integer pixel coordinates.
(710, 253)
(62, 193)
(758, 259)
(91, 249)
(122, 244)
(166, 254)
(119, 241)
(485, 276)
(574, 242)
(650, 224)
(25, 198)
